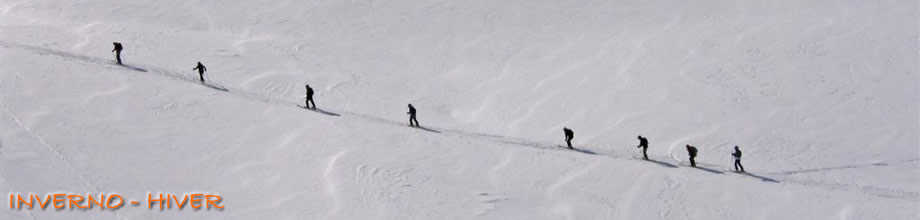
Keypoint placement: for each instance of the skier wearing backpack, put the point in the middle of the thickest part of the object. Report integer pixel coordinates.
(309, 98)
(569, 135)
(737, 156)
(412, 116)
(643, 143)
(692, 151)
(117, 51)
(201, 69)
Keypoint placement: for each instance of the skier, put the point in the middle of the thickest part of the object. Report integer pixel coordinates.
(643, 143)
(201, 69)
(117, 51)
(692, 151)
(569, 134)
(309, 98)
(737, 156)
(412, 116)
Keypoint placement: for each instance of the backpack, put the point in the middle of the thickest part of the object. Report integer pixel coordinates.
(117, 46)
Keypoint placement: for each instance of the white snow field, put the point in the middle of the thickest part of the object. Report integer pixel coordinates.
(821, 96)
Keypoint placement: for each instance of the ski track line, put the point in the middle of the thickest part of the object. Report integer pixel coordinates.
(331, 185)
(50, 148)
(631, 194)
(673, 186)
(13, 189)
(854, 166)
(558, 206)
(493, 173)
(568, 177)
(871, 190)
(61, 157)
(912, 196)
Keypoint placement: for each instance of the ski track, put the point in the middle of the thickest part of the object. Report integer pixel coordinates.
(86, 183)
(876, 191)
(673, 186)
(630, 196)
(854, 166)
(557, 205)
(13, 190)
(568, 177)
(332, 185)
(871, 190)
(493, 173)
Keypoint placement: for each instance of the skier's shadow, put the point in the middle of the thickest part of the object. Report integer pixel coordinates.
(222, 89)
(317, 110)
(762, 178)
(326, 112)
(709, 170)
(133, 68)
(668, 165)
(428, 129)
(585, 151)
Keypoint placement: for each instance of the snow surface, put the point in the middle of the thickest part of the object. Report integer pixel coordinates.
(822, 97)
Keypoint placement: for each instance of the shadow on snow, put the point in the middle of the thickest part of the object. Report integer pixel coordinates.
(428, 129)
(709, 170)
(662, 163)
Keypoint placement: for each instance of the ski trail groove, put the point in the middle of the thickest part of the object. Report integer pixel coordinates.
(560, 206)
(13, 189)
(493, 173)
(853, 166)
(50, 148)
(630, 196)
(331, 185)
(86, 183)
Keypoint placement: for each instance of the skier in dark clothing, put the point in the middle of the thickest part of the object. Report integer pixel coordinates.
(737, 156)
(117, 51)
(309, 98)
(692, 151)
(201, 69)
(569, 134)
(643, 143)
(412, 116)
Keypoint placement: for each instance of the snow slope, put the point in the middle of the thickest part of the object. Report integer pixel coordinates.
(822, 97)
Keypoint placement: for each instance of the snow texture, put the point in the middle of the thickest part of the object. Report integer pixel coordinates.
(822, 97)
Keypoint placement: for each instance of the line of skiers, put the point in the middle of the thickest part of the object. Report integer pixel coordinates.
(643, 144)
(307, 103)
(413, 122)
(118, 48)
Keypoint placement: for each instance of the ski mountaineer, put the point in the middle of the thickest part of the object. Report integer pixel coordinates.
(412, 116)
(117, 51)
(569, 134)
(737, 156)
(643, 143)
(692, 151)
(201, 69)
(309, 98)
